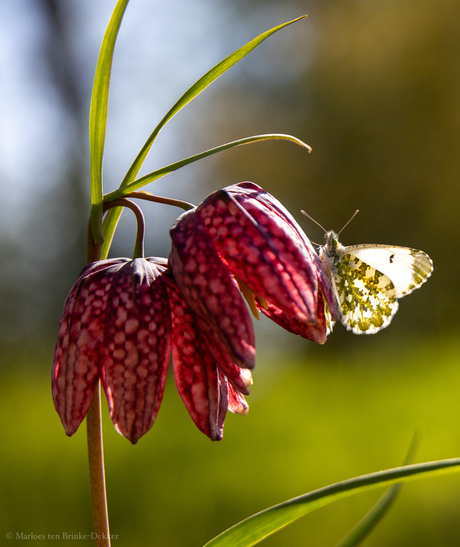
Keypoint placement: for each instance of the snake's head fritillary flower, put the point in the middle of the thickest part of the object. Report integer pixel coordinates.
(242, 235)
(207, 379)
(120, 321)
(116, 327)
(213, 337)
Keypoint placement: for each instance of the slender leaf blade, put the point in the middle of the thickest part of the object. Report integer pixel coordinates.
(257, 527)
(150, 177)
(380, 509)
(198, 87)
(98, 114)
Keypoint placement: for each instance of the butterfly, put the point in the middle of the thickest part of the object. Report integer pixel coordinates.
(368, 280)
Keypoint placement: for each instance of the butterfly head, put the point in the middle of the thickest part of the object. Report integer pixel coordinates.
(332, 244)
(331, 240)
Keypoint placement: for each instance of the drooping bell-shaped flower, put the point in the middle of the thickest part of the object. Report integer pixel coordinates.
(243, 235)
(116, 327)
(208, 382)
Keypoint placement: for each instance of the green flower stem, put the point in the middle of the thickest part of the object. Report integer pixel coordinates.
(93, 249)
(97, 471)
(94, 440)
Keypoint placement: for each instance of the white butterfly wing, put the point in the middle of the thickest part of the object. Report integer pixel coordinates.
(407, 268)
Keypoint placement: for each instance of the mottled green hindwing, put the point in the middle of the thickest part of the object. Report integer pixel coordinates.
(366, 297)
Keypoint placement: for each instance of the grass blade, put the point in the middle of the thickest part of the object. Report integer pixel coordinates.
(253, 529)
(376, 514)
(98, 114)
(196, 89)
(146, 179)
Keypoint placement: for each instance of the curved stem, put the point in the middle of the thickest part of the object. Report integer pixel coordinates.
(159, 199)
(139, 245)
(94, 249)
(111, 220)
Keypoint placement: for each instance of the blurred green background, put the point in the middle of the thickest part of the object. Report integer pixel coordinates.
(374, 88)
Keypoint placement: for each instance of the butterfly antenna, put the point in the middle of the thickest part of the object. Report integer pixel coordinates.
(315, 221)
(353, 216)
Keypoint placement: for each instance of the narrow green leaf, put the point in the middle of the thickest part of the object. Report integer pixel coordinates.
(98, 114)
(376, 514)
(196, 89)
(108, 229)
(112, 217)
(259, 526)
(146, 179)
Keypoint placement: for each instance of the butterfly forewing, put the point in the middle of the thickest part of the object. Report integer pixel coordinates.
(407, 268)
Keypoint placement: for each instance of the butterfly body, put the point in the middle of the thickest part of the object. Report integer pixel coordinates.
(367, 280)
